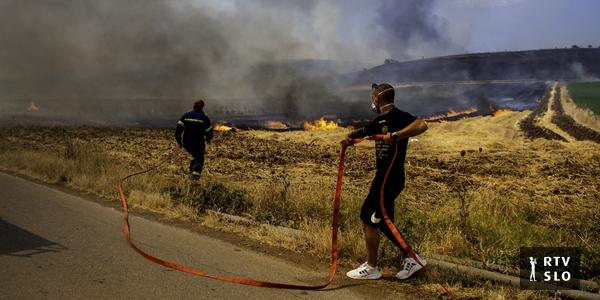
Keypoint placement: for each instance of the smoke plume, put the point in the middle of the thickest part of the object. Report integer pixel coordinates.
(276, 56)
(410, 30)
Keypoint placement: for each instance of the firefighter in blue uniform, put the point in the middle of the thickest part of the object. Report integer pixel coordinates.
(193, 130)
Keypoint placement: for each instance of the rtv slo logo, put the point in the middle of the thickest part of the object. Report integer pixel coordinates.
(545, 268)
(556, 262)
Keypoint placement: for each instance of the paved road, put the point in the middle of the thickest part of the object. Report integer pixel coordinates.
(55, 245)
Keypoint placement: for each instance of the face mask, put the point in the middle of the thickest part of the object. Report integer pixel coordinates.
(374, 108)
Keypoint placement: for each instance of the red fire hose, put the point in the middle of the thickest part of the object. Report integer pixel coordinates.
(246, 281)
(252, 282)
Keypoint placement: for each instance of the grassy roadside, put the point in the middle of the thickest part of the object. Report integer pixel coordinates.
(482, 205)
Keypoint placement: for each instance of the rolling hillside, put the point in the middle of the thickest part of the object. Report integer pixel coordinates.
(550, 64)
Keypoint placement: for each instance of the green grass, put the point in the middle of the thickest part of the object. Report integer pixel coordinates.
(586, 94)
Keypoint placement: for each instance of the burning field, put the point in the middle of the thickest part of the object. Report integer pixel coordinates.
(477, 188)
(91, 91)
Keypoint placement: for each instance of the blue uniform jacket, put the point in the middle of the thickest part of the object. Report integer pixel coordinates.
(193, 129)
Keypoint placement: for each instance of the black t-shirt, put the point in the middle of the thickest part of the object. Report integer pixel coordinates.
(393, 120)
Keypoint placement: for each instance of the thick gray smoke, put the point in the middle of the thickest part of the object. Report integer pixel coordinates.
(93, 50)
(411, 30)
(73, 53)
(137, 48)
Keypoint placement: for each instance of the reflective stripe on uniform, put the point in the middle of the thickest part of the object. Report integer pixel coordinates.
(208, 129)
(181, 123)
(194, 120)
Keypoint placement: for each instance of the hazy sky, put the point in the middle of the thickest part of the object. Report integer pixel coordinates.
(492, 25)
(187, 47)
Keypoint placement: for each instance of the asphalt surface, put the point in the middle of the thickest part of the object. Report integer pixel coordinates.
(56, 245)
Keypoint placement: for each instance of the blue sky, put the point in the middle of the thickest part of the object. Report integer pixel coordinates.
(531, 24)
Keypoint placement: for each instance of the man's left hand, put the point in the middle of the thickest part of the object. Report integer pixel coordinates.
(387, 138)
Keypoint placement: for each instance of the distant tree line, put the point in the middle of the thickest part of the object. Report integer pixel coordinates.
(577, 47)
(394, 61)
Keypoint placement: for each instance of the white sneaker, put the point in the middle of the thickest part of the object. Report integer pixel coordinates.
(365, 272)
(410, 267)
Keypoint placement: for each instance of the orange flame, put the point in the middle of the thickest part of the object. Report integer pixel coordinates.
(320, 124)
(501, 112)
(276, 125)
(222, 127)
(32, 106)
(451, 113)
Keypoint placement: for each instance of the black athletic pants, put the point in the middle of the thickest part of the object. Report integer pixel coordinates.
(370, 212)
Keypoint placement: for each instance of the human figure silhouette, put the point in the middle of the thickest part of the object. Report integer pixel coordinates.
(533, 262)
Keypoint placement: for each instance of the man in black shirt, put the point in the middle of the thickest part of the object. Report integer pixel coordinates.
(396, 126)
(193, 129)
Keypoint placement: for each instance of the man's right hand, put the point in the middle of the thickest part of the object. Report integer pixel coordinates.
(346, 142)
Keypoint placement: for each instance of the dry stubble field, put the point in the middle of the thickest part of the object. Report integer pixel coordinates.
(476, 188)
